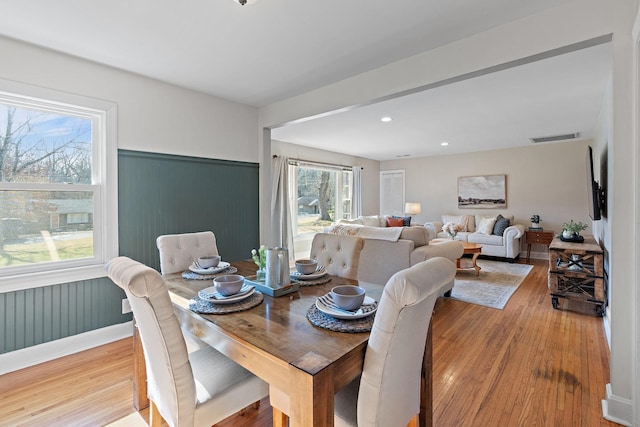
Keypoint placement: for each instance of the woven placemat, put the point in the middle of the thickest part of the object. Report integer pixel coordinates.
(324, 321)
(190, 275)
(199, 305)
(319, 281)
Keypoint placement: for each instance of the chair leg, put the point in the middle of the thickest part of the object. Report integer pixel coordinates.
(280, 419)
(155, 419)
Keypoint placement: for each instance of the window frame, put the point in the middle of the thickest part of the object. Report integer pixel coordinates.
(104, 186)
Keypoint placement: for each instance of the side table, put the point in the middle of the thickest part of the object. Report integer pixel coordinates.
(536, 237)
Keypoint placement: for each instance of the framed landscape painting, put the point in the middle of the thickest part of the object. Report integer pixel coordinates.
(484, 192)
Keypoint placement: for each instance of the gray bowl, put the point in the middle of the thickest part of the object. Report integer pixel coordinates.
(209, 261)
(229, 284)
(306, 266)
(348, 297)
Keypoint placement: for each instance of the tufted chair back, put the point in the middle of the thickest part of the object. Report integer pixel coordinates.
(178, 251)
(339, 254)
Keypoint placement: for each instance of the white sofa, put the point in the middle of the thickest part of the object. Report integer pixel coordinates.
(506, 245)
(383, 256)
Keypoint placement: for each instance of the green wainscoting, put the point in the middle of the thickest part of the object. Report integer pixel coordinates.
(158, 194)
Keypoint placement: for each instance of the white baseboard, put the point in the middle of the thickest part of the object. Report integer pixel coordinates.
(617, 409)
(40, 353)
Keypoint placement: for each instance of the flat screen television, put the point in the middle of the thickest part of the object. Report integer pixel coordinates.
(594, 195)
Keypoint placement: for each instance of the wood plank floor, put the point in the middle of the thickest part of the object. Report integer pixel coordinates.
(526, 365)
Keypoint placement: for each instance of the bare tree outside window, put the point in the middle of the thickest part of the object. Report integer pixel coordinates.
(38, 224)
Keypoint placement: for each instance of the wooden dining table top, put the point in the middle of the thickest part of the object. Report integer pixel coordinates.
(279, 326)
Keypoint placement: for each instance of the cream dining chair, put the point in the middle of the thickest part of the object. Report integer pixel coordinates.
(196, 389)
(179, 251)
(338, 253)
(388, 391)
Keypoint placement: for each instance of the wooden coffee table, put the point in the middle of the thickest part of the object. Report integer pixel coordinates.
(473, 249)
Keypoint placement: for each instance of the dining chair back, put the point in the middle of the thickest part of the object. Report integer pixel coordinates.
(179, 251)
(185, 389)
(339, 254)
(388, 391)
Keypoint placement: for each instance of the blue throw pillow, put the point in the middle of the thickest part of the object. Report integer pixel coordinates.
(501, 224)
(406, 220)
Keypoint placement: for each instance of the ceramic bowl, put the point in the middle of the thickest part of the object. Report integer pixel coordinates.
(306, 266)
(348, 297)
(209, 261)
(229, 284)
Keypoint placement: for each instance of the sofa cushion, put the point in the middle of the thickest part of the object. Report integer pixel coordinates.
(485, 239)
(372, 221)
(466, 222)
(357, 221)
(486, 225)
(501, 224)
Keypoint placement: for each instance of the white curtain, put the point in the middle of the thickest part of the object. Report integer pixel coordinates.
(357, 188)
(280, 210)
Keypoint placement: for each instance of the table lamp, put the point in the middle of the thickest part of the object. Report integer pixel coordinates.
(412, 208)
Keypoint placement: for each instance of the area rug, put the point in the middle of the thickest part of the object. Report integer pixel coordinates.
(495, 285)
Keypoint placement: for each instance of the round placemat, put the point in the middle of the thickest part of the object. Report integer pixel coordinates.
(199, 305)
(319, 281)
(190, 275)
(324, 321)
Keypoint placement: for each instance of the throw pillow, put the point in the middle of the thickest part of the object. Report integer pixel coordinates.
(371, 220)
(486, 225)
(349, 221)
(394, 222)
(461, 220)
(501, 224)
(406, 220)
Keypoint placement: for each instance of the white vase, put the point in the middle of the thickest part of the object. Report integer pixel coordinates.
(567, 234)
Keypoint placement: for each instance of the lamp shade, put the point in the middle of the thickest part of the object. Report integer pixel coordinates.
(412, 208)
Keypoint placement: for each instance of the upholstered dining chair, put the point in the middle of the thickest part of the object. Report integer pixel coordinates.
(388, 391)
(338, 253)
(196, 389)
(178, 251)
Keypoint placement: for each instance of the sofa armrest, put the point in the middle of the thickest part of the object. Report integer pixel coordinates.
(433, 228)
(511, 239)
(451, 250)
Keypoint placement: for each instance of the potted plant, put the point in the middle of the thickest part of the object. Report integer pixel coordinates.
(571, 229)
(535, 221)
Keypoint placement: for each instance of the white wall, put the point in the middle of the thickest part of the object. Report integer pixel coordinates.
(547, 179)
(370, 172)
(152, 116)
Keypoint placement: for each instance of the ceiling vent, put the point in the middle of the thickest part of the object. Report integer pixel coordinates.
(553, 138)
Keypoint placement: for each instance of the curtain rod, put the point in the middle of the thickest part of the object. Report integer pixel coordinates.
(320, 163)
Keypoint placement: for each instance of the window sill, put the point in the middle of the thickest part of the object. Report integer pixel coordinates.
(49, 278)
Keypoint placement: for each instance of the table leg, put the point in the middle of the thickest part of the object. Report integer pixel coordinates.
(425, 417)
(308, 382)
(140, 399)
(475, 264)
(528, 251)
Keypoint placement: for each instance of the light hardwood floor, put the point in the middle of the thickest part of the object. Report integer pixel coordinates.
(526, 365)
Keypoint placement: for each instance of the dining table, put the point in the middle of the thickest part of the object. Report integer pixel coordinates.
(276, 341)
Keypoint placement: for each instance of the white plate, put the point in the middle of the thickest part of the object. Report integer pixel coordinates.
(338, 314)
(312, 276)
(222, 265)
(245, 292)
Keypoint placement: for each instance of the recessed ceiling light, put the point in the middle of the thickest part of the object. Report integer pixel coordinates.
(444, 143)
(386, 119)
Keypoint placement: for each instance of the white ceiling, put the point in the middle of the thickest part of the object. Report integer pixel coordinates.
(274, 49)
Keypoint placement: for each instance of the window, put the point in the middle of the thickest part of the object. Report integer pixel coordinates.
(56, 203)
(320, 194)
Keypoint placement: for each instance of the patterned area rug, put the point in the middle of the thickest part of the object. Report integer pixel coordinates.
(497, 282)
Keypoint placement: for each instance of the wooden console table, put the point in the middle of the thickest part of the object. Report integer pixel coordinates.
(576, 272)
(537, 237)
